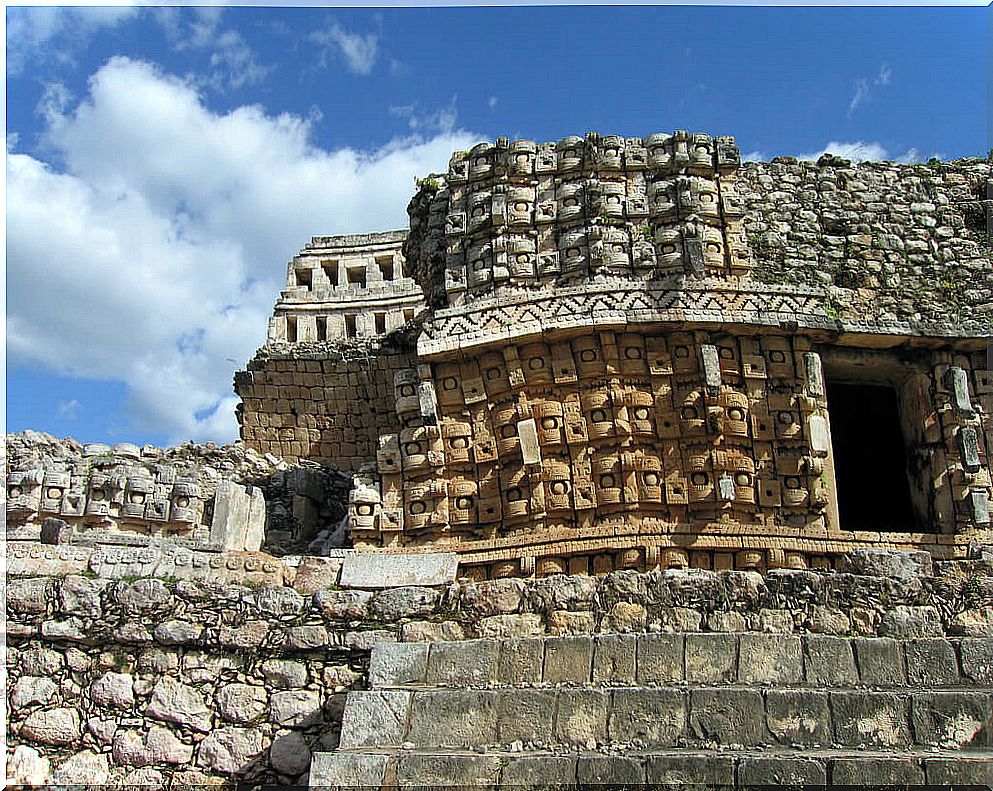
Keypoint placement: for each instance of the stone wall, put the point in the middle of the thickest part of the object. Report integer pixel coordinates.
(147, 680)
(324, 402)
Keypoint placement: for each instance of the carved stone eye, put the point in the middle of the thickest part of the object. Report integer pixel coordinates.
(560, 487)
(777, 356)
(726, 353)
(791, 482)
(406, 390)
(681, 351)
(742, 478)
(699, 479)
(702, 149)
(15, 491)
(463, 503)
(481, 161)
(508, 431)
(364, 509)
(570, 201)
(611, 152)
(479, 211)
(614, 200)
(689, 413)
(573, 252)
(479, 264)
(632, 353)
(587, 355)
(520, 206)
(137, 497)
(460, 443)
(570, 153)
(706, 197)
(522, 159)
(53, 493)
(598, 416)
(412, 448)
(786, 418)
(418, 507)
(618, 248)
(736, 414)
(523, 258)
(492, 373)
(536, 363)
(713, 247)
(641, 413)
(549, 423)
(182, 502)
(449, 383)
(651, 479)
(607, 481)
(668, 249)
(514, 495)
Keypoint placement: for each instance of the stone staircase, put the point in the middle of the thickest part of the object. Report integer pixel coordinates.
(728, 710)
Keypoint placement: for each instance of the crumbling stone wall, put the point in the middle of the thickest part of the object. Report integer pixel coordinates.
(145, 681)
(324, 402)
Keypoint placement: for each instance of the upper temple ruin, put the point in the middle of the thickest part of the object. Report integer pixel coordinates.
(614, 352)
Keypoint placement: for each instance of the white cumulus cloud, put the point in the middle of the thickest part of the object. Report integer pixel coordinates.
(359, 50)
(862, 151)
(153, 255)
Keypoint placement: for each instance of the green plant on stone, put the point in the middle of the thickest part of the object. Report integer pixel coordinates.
(427, 183)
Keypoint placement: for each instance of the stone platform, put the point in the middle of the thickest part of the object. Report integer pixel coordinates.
(671, 709)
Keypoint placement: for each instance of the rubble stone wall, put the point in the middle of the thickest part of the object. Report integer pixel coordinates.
(147, 680)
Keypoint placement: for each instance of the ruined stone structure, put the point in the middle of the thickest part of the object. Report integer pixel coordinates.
(744, 407)
(643, 353)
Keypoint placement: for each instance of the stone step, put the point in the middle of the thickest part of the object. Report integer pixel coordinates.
(639, 717)
(375, 769)
(700, 658)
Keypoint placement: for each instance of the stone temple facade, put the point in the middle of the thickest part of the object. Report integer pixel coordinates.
(643, 353)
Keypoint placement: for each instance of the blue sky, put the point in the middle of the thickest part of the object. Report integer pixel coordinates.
(163, 164)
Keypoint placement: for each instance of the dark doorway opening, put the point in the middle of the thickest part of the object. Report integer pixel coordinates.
(870, 459)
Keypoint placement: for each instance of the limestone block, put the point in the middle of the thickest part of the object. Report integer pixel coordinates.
(59, 727)
(242, 703)
(543, 772)
(173, 701)
(958, 771)
(470, 663)
(614, 658)
(115, 690)
(521, 661)
(931, 662)
(660, 658)
(770, 659)
(41, 661)
(284, 673)
(581, 717)
(977, 659)
(30, 690)
(525, 715)
(390, 571)
(876, 771)
(568, 659)
(347, 770)
(295, 708)
(80, 596)
(305, 638)
(711, 657)
(395, 604)
(239, 517)
(398, 664)
(426, 770)
(29, 596)
(870, 719)
(799, 716)
(906, 565)
(27, 767)
(157, 745)
(731, 716)
(953, 720)
(177, 632)
(688, 770)
(452, 718)
(792, 771)
(880, 661)
(829, 661)
(232, 750)
(656, 717)
(86, 768)
(610, 770)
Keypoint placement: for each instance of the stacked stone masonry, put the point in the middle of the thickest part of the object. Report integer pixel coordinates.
(341, 287)
(629, 355)
(155, 681)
